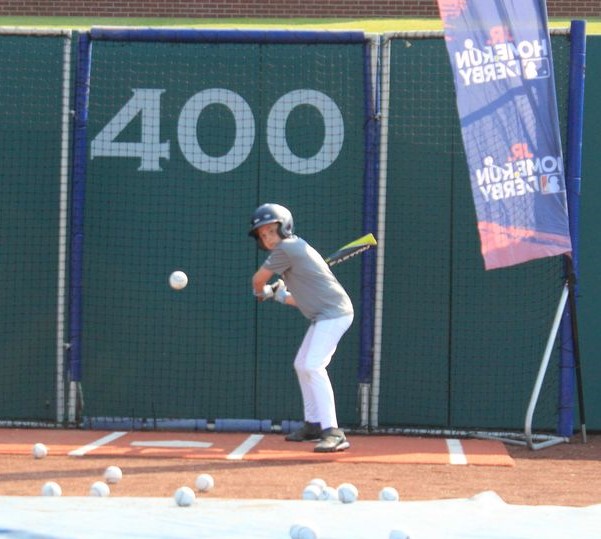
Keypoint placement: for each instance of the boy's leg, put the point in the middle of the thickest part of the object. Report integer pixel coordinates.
(311, 429)
(314, 356)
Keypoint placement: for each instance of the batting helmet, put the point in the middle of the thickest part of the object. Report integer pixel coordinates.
(272, 213)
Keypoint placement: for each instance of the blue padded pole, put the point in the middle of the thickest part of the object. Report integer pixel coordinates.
(370, 221)
(568, 360)
(192, 35)
(80, 156)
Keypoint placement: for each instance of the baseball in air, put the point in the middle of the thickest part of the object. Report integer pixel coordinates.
(178, 280)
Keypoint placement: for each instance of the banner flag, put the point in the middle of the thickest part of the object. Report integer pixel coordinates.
(500, 53)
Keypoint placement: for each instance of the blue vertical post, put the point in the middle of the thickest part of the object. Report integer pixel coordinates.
(80, 157)
(573, 181)
(370, 220)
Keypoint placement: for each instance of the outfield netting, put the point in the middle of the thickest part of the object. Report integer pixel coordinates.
(187, 139)
(461, 347)
(34, 174)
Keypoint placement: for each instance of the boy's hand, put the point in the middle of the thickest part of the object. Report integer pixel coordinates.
(281, 293)
(269, 290)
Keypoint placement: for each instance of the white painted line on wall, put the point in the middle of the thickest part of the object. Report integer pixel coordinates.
(245, 447)
(456, 454)
(95, 445)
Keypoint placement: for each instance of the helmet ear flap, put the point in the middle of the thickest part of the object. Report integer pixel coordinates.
(286, 223)
(284, 230)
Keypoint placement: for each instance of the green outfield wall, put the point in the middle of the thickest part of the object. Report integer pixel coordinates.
(208, 351)
(590, 262)
(31, 75)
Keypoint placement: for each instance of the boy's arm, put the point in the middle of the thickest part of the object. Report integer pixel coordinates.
(261, 289)
(260, 279)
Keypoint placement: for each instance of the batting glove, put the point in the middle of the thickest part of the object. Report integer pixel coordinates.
(267, 293)
(269, 290)
(281, 292)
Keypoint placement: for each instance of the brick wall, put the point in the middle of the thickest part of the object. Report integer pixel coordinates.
(260, 8)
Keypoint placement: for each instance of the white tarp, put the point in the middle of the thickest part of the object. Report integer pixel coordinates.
(485, 516)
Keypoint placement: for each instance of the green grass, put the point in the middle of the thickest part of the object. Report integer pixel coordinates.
(366, 25)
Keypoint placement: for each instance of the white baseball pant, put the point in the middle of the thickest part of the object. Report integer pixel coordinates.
(312, 358)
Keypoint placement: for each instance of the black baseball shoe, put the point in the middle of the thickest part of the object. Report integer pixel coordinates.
(332, 439)
(308, 432)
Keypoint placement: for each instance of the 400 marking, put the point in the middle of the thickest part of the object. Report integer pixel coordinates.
(146, 102)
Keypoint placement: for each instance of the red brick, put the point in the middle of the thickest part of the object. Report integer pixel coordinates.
(263, 8)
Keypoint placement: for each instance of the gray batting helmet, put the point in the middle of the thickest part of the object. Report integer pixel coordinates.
(272, 213)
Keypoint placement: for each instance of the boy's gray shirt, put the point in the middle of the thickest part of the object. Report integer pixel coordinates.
(318, 294)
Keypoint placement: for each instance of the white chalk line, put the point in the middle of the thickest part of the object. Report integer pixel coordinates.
(177, 444)
(95, 445)
(456, 454)
(245, 447)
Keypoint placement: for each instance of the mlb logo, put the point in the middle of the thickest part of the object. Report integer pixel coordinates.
(550, 183)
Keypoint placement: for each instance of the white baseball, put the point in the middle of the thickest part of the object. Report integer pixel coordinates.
(347, 493)
(178, 280)
(389, 494)
(51, 488)
(328, 493)
(306, 532)
(113, 474)
(204, 482)
(39, 451)
(303, 531)
(319, 482)
(398, 534)
(311, 492)
(100, 488)
(184, 496)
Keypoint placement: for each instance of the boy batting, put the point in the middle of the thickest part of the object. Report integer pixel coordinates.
(307, 283)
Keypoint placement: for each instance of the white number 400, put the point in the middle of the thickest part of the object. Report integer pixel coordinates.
(150, 150)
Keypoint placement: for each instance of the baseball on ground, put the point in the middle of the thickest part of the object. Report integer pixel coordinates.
(328, 493)
(113, 474)
(100, 488)
(347, 493)
(303, 531)
(184, 496)
(204, 482)
(389, 494)
(51, 488)
(39, 451)
(311, 492)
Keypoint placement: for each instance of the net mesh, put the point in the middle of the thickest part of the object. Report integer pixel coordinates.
(461, 346)
(187, 139)
(31, 72)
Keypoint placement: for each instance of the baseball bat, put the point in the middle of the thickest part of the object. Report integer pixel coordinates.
(351, 249)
